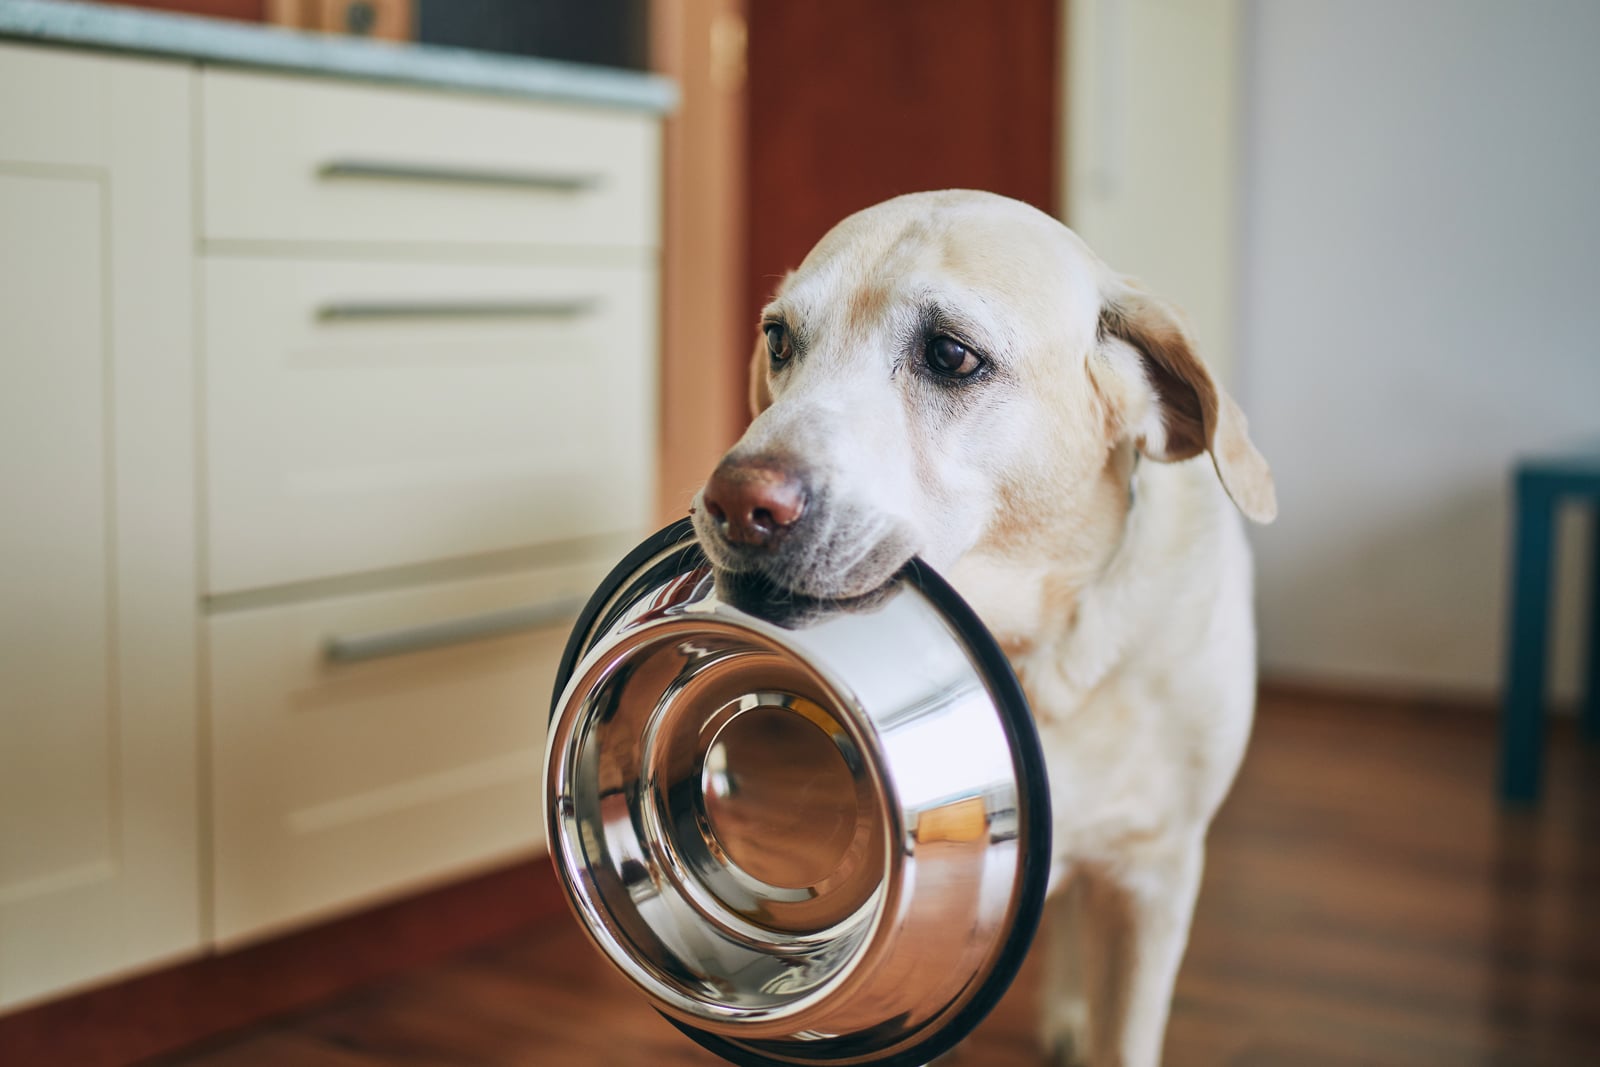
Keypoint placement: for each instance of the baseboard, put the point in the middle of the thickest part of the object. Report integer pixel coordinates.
(161, 1012)
(1415, 696)
(1278, 687)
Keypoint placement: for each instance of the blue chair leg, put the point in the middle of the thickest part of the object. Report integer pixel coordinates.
(1591, 685)
(1522, 711)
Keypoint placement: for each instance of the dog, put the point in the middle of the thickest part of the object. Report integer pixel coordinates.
(955, 375)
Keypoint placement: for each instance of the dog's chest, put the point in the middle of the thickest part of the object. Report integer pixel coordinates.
(1131, 758)
(1119, 776)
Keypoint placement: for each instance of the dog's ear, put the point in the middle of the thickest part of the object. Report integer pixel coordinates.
(760, 390)
(1176, 410)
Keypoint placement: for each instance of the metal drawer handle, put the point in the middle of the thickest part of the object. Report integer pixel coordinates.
(357, 648)
(544, 181)
(464, 309)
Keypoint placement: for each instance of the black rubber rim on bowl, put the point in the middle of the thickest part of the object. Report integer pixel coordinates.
(1033, 790)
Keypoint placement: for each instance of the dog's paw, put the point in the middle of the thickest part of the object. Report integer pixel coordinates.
(1064, 1035)
(1066, 1052)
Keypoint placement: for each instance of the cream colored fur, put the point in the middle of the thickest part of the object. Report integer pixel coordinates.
(1077, 494)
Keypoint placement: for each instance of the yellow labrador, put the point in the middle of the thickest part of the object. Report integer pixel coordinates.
(956, 375)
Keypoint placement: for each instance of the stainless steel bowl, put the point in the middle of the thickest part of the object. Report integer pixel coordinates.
(809, 833)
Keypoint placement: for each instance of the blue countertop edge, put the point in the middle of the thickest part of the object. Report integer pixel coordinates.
(205, 40)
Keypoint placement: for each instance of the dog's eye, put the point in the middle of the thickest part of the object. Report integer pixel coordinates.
(778, 342)
(951, 358)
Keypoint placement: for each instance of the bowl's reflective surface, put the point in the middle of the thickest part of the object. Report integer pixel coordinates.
(807, 839)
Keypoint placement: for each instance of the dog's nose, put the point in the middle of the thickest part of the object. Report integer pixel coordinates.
(754, 502)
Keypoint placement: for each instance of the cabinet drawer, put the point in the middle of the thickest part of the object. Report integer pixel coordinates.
(370, 415)
(368, 745)
(290, 159)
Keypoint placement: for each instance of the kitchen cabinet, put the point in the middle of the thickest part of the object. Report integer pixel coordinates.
(429, 345)
(324, 405)
(99, 802)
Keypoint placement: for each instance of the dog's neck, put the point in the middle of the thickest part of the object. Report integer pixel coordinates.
(1036, 583)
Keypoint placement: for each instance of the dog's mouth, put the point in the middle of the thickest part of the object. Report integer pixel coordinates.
(757, 595)
(814, 564)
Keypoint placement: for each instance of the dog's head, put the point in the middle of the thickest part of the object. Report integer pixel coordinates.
(948, 370)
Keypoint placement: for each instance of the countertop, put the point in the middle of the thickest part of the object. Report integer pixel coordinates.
(237, 44)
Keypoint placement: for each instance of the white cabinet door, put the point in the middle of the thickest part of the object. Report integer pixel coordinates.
(297, 159)
(368, 414)
(98, 809)
(377, 743)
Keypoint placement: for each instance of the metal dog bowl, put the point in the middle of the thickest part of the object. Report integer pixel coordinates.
(810, 834)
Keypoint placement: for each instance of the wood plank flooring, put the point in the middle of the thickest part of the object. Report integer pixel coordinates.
(1365, 903)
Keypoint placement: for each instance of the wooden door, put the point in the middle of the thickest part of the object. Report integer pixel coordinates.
(98, 721)
(853, 102)
(700, 44)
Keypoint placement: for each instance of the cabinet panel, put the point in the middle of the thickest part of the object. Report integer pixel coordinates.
(98, 598)
(364, 415)
(372, 744)
(57, 815)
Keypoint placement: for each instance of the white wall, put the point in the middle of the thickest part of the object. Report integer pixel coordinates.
(1419, 303)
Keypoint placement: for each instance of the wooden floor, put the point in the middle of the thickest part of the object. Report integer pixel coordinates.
(1365, 904)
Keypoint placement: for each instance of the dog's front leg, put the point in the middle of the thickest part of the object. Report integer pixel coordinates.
(1064, 997)
(1131, 929)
